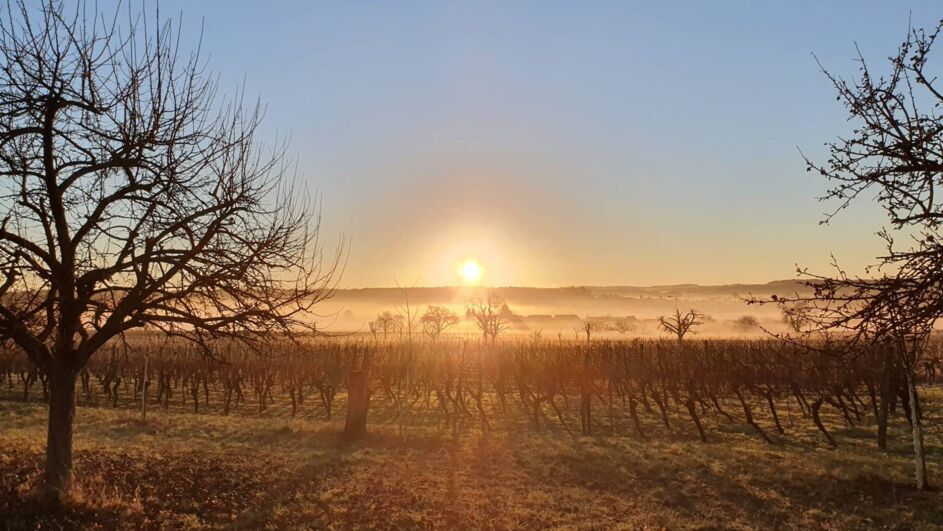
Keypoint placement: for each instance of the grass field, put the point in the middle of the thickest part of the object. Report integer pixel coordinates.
(181, 470)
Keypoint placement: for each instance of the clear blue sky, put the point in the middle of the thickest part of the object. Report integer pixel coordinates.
(561, 143)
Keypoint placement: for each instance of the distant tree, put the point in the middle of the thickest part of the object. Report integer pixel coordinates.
(793, 316)
(388, 323)
(578, 332)
(133, 197)
(680, 324)
(491, 315)
(623, 325)
(436, 320)
(747, 323)
(797, 316)
(594, 325)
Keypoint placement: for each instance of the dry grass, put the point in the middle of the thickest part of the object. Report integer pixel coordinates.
(182, 470)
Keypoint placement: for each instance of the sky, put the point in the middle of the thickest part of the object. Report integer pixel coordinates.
(561, 143)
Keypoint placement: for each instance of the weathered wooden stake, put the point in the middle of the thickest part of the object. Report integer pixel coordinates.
(358, 400)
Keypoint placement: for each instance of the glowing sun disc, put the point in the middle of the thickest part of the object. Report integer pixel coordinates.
(471, 271)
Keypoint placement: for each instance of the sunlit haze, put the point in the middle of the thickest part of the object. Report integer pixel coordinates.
(580, 143)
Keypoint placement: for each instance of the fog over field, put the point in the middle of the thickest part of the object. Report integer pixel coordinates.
(562, 309)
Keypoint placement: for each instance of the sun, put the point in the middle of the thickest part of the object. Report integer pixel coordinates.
(471, 271)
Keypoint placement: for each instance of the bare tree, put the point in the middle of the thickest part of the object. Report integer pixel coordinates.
(135, 197)
(894, 154)
(624, 325)
(796, 317)
(594, 325)
(436, 320)
(680, 324)
(388, 323)
(491, 315)
(747, 323)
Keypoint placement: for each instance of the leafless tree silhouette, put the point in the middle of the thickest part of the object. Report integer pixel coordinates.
(436, 320)
(895, 154)
(624, 325)
(388, 323)
(491, 315)
(747, 323)
(680, 324)
(133, 196)
(795, 317)
(594, 325)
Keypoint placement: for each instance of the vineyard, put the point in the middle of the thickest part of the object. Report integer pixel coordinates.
(591, 388)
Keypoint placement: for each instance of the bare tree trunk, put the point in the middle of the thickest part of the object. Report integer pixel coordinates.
(920, 459)
(59, 436)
